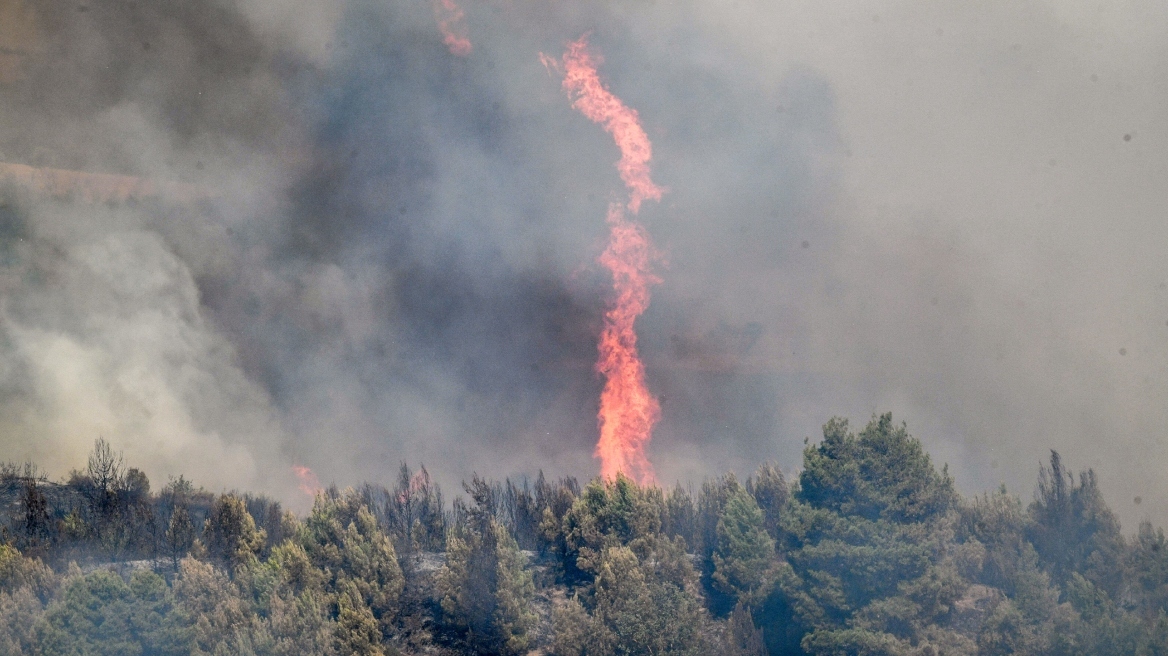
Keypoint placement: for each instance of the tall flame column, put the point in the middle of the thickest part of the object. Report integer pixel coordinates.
(628, 411)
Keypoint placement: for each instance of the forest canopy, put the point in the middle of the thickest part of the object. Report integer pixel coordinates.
(868, 550)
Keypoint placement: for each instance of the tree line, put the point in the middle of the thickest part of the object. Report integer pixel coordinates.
(868, 551)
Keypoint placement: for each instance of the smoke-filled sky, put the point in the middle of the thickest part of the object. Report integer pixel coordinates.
(948, 210)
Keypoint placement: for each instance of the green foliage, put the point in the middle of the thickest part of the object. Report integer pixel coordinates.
(333, 589)
(853, 642)
(1008, 630)
(26, 584)
(681, 516)
(869, 539)
(998, 523)
(18, 571)
(872, 552)
(357, 629)
(230, 534)
(639, 588)
(342, 538)
(100, 613)
(214, 610)
(882, 473)
(712, 501)
(770, 490)
(553, 504)
(742, 637)
(1073, 530)
(19, 612)
(1102, 628)
(635, 608)
(484, 587)
(745, 552)
(1147, 561)
(291, 603)
(300, 624)
(610, 514)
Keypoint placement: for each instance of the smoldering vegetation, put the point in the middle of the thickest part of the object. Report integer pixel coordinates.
(868, 550)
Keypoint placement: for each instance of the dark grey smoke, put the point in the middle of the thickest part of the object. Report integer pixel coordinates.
(396, 258)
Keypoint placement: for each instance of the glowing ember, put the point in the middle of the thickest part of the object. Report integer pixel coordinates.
(308, 481)
(627, 410)
(451, 23)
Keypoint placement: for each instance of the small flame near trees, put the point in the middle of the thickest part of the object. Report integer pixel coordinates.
(309, 484)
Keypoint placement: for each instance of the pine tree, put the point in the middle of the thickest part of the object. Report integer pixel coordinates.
(635, 608)
(1073, 530)
(745, 552)
(742, 637)
(770, 490)
(34, 507)
(681, 516)
(357, 631)
(485, 589)
(342, 538)
(609, 514)
(230, 534)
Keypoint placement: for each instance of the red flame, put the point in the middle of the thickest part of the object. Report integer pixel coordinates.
(451, 23)
(628, 411)
(308, 481)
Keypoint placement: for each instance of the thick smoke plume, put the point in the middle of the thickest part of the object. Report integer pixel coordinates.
(949, 212)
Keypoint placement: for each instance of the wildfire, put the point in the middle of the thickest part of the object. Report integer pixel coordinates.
(628, 411)
(309, 484)
(590, 96)
(451, 23)
(418, 482)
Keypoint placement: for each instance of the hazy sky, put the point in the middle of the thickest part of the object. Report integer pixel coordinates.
(946, 210)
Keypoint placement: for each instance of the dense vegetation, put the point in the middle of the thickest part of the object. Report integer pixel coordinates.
(870, 551)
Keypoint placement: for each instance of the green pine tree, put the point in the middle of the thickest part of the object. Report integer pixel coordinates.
(745, 552)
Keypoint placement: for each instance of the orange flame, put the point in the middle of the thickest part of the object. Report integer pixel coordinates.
(309, 484)
(451, 23)
(628, 411)
(599, 105)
